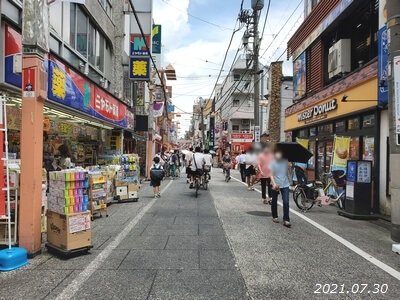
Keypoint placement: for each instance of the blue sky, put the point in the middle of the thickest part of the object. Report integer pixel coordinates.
(196, 48)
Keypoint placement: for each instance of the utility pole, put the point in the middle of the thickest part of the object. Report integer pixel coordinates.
(256, 5)
(202, 127)
(393, 25)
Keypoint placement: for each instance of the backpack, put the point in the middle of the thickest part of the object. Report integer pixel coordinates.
(157, 173)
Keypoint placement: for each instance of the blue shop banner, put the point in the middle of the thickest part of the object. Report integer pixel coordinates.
(383, 66)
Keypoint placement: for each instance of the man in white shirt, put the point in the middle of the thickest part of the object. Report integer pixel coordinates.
(208, 162)
(197, 162)
(188, 159)
(241, 161)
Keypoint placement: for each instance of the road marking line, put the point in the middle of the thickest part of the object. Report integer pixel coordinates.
(346, 243)
(70, 291)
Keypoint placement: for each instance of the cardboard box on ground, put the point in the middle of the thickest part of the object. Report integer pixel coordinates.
(69, 232)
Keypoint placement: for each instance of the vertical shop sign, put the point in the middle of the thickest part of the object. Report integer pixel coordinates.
(212, 133)
(257, 135)
(140, 68)
(299, 76)
(383, 55)
(138, 45)
(396, 75)
(156, 37)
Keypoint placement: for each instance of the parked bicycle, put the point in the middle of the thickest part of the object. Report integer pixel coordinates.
(308, 193)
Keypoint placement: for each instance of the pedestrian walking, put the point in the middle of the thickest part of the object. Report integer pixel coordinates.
(226, 165)
(241, 160)
(173, 161)
(208, 163)
(280, 184)
(264, 161)
(251, 163)
(157, 174)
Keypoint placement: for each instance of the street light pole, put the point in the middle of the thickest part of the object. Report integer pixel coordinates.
(393, 25)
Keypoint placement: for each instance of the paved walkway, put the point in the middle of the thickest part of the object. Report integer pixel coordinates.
(222, 245)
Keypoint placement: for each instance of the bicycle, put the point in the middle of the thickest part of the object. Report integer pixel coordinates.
(306, 194)
(206, 180)
(197, 183)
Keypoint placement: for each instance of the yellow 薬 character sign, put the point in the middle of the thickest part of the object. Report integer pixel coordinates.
(140, 68)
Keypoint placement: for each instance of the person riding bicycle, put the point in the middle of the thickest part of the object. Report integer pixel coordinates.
(227, 164)
(196, 165)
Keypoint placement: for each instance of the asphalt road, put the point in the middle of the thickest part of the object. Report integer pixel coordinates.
(222, 245)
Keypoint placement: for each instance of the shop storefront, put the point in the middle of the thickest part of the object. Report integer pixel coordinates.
(321, 121)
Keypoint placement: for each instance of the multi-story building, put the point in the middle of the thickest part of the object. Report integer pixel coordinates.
(234, 105)
(335, 83)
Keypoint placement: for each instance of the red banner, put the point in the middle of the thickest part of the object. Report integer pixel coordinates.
(242, 137)
(108, 107)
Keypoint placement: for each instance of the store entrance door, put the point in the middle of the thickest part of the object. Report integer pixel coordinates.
(324, 150)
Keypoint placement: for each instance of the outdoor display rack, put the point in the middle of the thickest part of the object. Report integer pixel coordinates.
(97, 193)
(127, 181)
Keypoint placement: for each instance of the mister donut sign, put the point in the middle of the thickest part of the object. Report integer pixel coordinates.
(318, 112)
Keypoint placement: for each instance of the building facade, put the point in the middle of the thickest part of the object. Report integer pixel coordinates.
(335, 84)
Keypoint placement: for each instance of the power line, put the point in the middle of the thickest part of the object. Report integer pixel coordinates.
(287, 21)
(265, 21)
(197, 18)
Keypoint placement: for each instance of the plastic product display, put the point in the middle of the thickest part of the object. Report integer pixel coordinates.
(127, 181)
(97, 193)
(68, 191)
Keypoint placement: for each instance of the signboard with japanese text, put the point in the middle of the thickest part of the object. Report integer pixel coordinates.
(242, 137)
(139, 68)
(108, 108)
(67, 87)
(138, 45)
(299, 76)
(12, 48)
(396, 73)
(14, 118)
(257, 134)
(156, 39)
(383, 55)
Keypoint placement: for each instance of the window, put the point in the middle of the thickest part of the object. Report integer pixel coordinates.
(72, 26)
(236, 103)
(236, 77)
(340, 127)
(353, 123)
(92, 44)
(55, 20)
(313, 131)
(369, 121)
(106, 4)
(303, 133)
(235, 127)
(81, 32)
(325, 129)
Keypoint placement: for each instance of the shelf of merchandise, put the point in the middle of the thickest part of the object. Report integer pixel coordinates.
(97, 194)
(127, 182)
(14, 192)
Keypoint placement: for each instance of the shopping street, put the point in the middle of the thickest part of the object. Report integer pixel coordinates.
(222, 245)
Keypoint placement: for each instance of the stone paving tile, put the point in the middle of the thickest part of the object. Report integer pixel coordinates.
(211, 229)
(198, 284)
(173, 229)
(211, 242)
(82, 261)
(154, 242)
(30, 284)
(217, 260)
(160, 259)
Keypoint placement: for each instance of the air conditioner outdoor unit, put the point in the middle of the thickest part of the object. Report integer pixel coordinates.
(339, 58)
(246, 122)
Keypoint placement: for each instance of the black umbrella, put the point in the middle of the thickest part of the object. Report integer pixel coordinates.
(294, 152)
